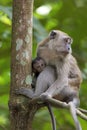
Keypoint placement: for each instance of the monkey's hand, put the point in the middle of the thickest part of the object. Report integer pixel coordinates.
(24, 91)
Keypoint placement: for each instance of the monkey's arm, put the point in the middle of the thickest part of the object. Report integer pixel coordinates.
(55, 88)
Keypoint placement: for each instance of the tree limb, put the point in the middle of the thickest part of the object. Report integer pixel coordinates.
(82, 110)
(57, 103)
(79, 113)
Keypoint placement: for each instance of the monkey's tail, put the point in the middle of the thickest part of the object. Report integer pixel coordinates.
(73, 113)
(52, 116)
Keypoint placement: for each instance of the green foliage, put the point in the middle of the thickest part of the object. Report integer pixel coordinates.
(66, 15)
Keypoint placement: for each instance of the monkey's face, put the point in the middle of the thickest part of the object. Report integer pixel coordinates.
(38, 66)
(60, 42)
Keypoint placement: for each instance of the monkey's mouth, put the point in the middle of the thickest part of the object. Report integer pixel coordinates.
(63, 52)
(67, 50)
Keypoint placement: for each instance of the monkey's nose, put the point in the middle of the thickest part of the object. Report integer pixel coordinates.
(68, 47)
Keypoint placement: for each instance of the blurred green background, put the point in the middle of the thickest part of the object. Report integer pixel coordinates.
(69, 16)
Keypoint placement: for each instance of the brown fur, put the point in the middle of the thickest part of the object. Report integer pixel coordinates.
(66, 65)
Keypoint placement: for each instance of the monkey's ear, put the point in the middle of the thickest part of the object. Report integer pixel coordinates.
(52, 34)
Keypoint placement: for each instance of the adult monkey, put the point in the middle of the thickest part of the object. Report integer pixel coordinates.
(56, 51)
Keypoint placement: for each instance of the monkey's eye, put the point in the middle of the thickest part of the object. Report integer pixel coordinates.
(68, 40)
(52, 34)
(42, 65)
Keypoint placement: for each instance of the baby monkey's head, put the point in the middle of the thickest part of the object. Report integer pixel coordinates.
(38, 64)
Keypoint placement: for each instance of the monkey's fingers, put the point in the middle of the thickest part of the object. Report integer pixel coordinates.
(19, 91)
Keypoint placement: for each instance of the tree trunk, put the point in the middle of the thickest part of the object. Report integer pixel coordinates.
(20, 111)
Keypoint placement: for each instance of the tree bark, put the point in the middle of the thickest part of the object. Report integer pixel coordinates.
(21, 112)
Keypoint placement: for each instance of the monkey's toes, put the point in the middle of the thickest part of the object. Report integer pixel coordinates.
(19, 91)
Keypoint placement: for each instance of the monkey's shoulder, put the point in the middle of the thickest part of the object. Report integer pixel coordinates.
(73, 63)
(74, 69)
(72, 59)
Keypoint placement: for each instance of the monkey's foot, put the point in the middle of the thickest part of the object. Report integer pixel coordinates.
(44, 96)
(24, 91)
(19, 91)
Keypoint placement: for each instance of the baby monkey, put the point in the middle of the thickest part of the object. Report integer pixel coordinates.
(38, 65)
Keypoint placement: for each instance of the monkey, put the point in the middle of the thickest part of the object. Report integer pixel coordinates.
(56, 52)
(60, 44)
(38, 64)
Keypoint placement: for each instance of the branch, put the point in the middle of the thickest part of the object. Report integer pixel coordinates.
(58, 103)
(52, 101)
(82, 110)
(83, 116)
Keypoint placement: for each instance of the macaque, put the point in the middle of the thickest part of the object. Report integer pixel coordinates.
(61, 78)
(38, 65)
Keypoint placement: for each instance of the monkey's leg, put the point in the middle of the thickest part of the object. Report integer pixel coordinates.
(41, 86)
(44, 80)
(72, 105)
(55, 89)
(25, 91)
